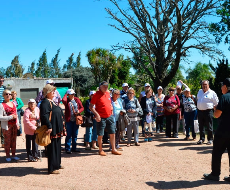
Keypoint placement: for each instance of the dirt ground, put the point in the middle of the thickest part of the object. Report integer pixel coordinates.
(160, 164)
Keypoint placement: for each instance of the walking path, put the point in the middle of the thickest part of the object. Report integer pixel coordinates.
(160, 164)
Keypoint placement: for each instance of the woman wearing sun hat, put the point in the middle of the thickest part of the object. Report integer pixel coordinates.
(55, 128)
(73, 105)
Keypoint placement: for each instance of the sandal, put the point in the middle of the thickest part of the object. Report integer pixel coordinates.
(137, 144)
(128, 145)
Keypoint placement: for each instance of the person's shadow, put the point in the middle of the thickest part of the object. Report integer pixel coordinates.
(182, 184)
(22, 171)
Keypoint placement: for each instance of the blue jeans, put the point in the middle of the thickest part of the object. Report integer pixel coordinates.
(91, 132)
(189, 118)
(19, 120)
(72, 132)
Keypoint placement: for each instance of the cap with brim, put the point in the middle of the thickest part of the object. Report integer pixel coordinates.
(50, 81)
(104, 83)
(47, 89)
(147, 84)
(125, 84)
(92, 92)
(111, 89)
(31, 100)
(70, 92)
(187, 89)
(159, 87)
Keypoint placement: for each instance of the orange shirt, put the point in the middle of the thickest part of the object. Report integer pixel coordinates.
(102, 102)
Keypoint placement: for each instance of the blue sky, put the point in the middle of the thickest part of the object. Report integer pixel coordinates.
(28, 27)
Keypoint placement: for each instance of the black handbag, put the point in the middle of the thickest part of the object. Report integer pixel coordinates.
(22, 112)
(87, 121)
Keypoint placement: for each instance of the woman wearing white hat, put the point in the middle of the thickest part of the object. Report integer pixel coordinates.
(190, 112)
(30, 120)
(160, 110)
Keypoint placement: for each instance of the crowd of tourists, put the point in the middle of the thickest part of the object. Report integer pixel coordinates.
(114, 114)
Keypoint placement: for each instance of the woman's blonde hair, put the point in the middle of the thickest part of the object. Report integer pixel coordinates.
(6, 90)
(13, 92)
(131, 90)
(115, 91)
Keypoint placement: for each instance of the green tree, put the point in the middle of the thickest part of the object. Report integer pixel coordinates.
(2, 71)
(15, 69)
(78, 61)
(221, 71)
(83, 79)
(42, 66)
(165, 30)
(197, 74)
(55, 70)
(31, 69)
(221, 29)
(102, 63)
(69, 63)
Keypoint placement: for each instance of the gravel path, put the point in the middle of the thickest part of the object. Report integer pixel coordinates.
(160, 164)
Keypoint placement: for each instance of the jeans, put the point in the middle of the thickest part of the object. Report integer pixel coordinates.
(135, 126)
(205, 119)
(72, 132)
(91, 132)
(159, 123)
(189, 121)
(19, 120)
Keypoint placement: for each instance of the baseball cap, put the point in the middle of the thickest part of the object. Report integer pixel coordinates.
(159, 87)
(70, 91)
(31, 100)
(147, 84)
(187, 89)
(50, 81)
(104, 83)
(226, 82)
(111, 89)
(125, 84)
(92, 92)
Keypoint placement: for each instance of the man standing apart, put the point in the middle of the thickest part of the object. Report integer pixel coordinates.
(221, 141)
(207, 100)
(103, 115)
(2, 88)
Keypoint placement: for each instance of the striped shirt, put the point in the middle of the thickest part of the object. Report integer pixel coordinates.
(1, 94)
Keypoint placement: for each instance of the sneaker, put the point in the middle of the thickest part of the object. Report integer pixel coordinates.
(209, 142)
(158, 132)
(146, 139)
(8, 159)
(150, 139)
(200, 142)
(211, 177)
(227, 178)
(123, 139)
(15, 158)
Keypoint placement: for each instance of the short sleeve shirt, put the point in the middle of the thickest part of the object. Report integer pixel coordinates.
(224, 106)
(102, 101)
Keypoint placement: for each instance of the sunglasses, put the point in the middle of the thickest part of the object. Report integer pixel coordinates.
(7, 94)
(1, 80)
(131, 93)
(171, 90)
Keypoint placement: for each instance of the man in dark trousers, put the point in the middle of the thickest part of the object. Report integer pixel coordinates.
(222, 136)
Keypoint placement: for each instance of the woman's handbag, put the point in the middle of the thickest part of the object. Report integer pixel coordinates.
(87, 121)
(79, 118)
(22, 112)
(43, 138)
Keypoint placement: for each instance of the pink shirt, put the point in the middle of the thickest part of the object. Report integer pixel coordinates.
(30, 124)
(171, 102)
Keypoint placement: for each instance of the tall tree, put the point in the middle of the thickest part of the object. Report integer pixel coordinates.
(197, 74)
(31, 69)
(42, 66)
(15, 69)
(78, 61)
(221, 71)
(69, 63)
(2, 71)
(166, 30)
(221, 29)
(102, 63)
(55, 70)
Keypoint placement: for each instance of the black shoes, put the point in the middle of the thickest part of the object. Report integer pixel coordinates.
(68, 152)
(227, 178)
(211, 177)
(200, 142)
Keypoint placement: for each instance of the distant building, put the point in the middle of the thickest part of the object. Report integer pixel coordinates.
(27, 88)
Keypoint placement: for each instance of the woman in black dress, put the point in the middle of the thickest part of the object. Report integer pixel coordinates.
(55, 128)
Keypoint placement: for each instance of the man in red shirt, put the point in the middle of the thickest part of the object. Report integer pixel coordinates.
(102, 108)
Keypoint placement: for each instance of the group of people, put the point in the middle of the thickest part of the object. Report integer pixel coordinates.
(114, 112)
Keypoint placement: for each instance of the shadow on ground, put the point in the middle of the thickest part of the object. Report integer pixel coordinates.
(182, 184)
(22, 171)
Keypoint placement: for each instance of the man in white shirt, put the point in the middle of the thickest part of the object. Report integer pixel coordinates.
(207, 100)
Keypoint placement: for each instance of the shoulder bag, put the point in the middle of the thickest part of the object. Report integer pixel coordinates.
(79, 118)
